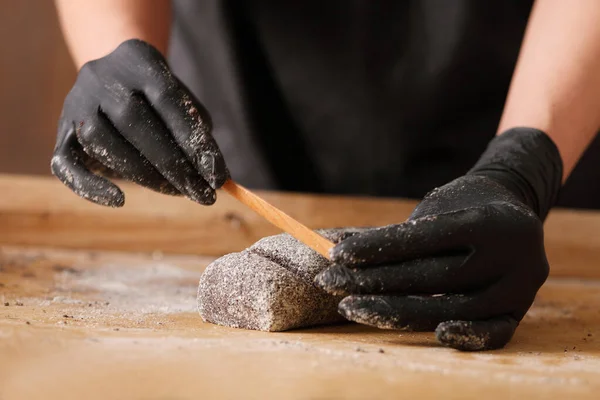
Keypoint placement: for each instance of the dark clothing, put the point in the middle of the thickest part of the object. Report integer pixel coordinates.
(384, 98)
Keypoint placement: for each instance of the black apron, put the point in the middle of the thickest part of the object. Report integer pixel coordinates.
(363, 97)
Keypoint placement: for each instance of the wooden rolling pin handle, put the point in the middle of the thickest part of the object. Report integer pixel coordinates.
(280, 219)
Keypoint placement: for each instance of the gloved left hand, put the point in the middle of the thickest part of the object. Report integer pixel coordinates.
(470, 259)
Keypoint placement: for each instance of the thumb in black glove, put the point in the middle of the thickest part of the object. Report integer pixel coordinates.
(128, 116)
(470, 259)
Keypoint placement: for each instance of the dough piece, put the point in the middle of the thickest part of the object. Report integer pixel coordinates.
(269, 286)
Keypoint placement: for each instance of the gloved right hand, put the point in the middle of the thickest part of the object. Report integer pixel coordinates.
(128, 116)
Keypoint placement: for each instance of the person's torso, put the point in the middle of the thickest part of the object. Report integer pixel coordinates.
(350, 97)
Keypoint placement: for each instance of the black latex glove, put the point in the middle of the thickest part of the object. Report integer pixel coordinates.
(469, 260)
(128, 116)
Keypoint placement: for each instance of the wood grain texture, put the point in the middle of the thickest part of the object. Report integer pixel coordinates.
(101, 325)
(42, 212)
(279, 218)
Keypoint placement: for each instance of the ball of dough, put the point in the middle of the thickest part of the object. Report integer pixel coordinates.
(269, 286)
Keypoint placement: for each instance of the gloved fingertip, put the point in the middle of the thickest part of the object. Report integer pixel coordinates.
(217, 180)
(86, 184)
(460, 335)
(360, 249)
(206, 198)
(369, 310)
(336, 280)
(110, 198)
(354, 308)
(475, 335)
(198, 191)
(213, 169)
(340, 253)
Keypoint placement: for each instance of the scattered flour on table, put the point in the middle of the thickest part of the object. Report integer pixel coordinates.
(155, 288)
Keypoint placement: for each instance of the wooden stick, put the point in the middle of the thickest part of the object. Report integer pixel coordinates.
(278, 218)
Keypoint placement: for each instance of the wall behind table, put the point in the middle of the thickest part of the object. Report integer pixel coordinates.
(36, 72)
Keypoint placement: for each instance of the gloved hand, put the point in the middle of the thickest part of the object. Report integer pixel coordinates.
(128, 116)
(469, 260)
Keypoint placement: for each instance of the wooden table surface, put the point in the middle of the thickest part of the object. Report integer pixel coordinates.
(101, 304)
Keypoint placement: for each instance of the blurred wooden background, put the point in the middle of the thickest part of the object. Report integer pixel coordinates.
(36, 72)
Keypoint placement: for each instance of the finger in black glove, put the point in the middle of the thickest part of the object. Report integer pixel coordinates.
(128, 116)
(470, 259)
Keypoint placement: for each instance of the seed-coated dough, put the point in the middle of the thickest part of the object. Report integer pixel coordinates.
(269, 286)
